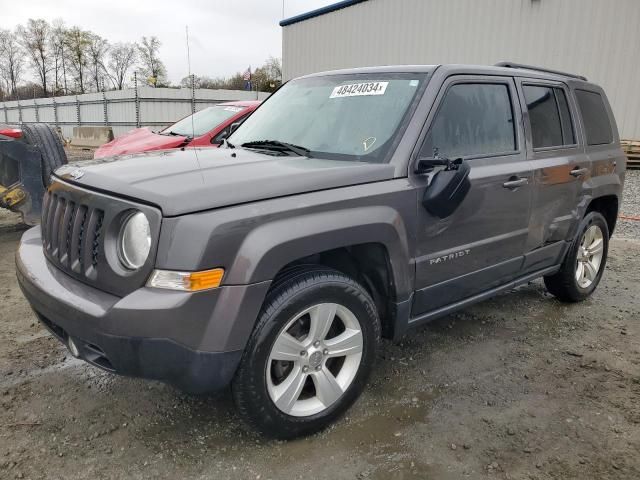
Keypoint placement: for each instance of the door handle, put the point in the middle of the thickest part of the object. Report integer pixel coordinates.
(578, 172)
(513, 184)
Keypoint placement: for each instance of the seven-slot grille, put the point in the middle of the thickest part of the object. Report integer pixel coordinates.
(71, 234)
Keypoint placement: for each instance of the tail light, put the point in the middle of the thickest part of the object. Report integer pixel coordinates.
(11, 132)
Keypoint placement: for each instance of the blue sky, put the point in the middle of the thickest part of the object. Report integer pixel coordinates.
(226, 35)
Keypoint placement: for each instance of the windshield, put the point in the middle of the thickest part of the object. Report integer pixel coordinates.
(344, 117)
(203, 121)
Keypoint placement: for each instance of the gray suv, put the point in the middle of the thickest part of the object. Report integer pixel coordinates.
(352, 205)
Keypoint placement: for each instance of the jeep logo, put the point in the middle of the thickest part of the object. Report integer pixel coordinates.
(76, 174)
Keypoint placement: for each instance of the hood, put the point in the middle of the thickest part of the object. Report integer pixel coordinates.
(138, 140)
(185, 181)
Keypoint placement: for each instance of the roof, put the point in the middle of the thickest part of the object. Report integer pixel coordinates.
(378, 69)
(511, 71)
(320, 11)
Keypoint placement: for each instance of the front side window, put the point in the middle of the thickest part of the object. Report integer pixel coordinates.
(549, 116)
(203, 121)
(595, 118)
(353, 117)
(473, 119)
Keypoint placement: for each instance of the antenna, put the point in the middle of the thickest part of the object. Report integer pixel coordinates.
(193, 100)
(186, 28)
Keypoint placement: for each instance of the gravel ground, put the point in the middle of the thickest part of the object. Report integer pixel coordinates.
(518, 387)
(630, 206)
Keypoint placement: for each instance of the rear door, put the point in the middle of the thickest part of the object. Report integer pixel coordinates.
(559, 168)
(481, 245)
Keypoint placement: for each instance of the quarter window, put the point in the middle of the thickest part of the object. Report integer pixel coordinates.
(595, 118)
(474, 119)
(549, 116)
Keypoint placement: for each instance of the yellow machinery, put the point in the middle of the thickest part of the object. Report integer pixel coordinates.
(28, 155)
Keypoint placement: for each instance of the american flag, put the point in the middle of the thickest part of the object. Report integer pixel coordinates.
(247, 75)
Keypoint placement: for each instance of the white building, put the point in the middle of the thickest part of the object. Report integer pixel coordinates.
(596, 38)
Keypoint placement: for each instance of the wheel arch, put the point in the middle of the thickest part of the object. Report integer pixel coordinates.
(608, 206)
(370, 244)
(367, 263)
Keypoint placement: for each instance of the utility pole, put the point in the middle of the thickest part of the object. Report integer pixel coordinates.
(64, 73)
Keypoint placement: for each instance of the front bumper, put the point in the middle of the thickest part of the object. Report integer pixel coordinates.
(191, 340)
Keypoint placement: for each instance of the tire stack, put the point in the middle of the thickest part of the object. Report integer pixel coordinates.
(51, 149)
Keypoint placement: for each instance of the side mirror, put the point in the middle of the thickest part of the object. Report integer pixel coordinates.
(234, 126)
(447, 189)
(425, 165)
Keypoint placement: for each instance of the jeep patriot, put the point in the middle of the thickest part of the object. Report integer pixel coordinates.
(352, 205)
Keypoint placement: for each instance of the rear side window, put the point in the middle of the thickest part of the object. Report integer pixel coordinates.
(595, 118)
(549, 116)
(473, 119)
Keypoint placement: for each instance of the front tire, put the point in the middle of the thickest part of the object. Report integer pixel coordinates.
(584, 263)
(310, 354)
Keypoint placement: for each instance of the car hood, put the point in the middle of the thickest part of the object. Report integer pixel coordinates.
(138, 140)
(185, 181)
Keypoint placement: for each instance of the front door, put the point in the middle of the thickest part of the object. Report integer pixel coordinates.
(481, 245)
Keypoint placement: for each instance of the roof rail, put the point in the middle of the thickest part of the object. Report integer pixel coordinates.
(539, 69)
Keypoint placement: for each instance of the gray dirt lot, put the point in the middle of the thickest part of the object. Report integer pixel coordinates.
(518, 387)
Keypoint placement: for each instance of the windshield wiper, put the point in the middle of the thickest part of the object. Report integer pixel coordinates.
(278, 146)
(171, 133)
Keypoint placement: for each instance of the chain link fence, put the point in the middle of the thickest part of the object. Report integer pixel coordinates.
(122, 110)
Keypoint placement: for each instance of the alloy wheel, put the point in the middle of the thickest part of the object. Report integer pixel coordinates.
(589, 256)
(314, 359)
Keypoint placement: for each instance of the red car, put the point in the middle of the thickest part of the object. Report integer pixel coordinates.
(208, 127)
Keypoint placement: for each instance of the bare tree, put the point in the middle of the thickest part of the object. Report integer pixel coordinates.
(56, 41)
(268, 77)
(151, 65)
(273, 68)
(11, 61)
(122, 57)
(76, 45)
(97, 51)
(35, 40)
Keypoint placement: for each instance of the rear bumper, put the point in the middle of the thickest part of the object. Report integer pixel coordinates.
(191, 340)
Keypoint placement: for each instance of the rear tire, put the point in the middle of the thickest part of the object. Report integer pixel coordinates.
(51, 149)
(584, 263)
(310, 354)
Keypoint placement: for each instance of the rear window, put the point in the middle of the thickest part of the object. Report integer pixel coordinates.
(595, 118)
(203, 121)
(549, 116)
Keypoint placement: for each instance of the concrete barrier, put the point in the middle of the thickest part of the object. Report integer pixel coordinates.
(91, 136)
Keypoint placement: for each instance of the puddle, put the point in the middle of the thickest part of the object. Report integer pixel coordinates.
(378, 436)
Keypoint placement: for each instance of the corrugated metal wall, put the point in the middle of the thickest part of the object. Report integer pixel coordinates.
(157, 107)
(596, 38)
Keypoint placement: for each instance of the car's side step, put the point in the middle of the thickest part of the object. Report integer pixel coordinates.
(446, 310)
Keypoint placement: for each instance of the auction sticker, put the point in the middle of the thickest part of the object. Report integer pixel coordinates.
(359, 89)
(233, 109)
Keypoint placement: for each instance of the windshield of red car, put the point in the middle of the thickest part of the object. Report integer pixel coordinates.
(353, 117)
(203, 121)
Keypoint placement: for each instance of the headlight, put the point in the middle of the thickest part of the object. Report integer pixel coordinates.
(134, 243)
